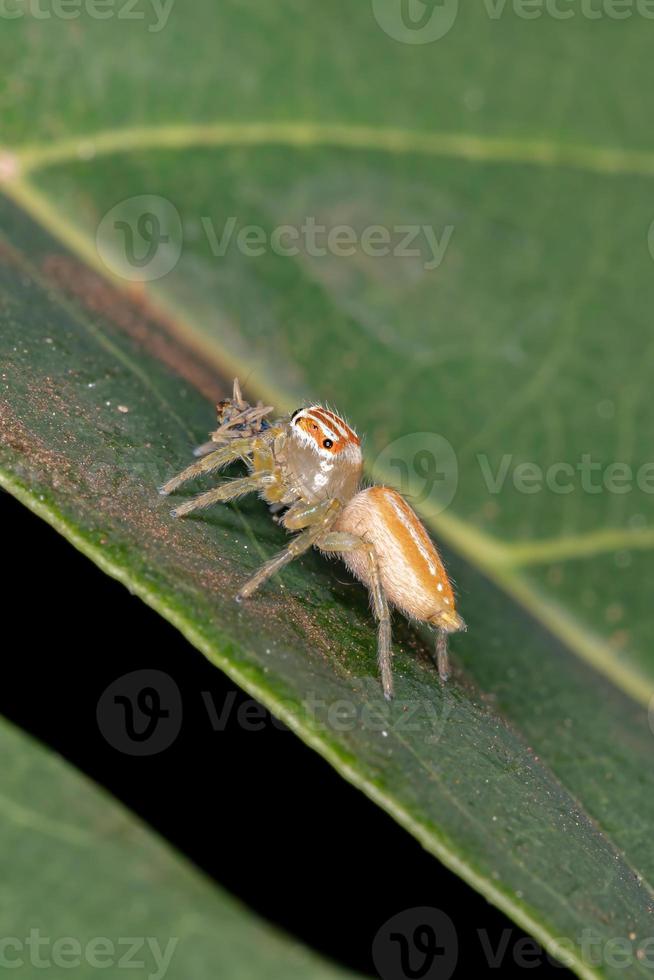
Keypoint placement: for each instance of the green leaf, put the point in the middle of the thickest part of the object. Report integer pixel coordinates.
(86, 887)
(530, 774)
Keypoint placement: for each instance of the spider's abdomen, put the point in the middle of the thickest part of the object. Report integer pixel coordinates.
(412, 573)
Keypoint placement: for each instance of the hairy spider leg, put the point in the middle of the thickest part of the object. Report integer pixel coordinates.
(229, 490)
(442, 655)
(317, 525)
(237, 449)
(340, 541)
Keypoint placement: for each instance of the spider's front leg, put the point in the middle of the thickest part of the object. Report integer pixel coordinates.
(219, 458)
(230, 490)
(343, 541)
(316, 519)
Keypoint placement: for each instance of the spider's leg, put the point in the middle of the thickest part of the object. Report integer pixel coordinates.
(340, 541)
(236, 394)
(301, 514)
(237, 449)
(207, 447)
(229, 490)
(442, 656)
(298, 545)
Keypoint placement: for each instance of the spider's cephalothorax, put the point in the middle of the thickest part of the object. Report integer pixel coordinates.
(307, 467)
(322, 455)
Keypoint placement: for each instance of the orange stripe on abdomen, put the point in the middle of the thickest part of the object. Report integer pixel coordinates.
(417, 545)
(413, 575)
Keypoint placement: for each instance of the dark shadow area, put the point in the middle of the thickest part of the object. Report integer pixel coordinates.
(240, 795)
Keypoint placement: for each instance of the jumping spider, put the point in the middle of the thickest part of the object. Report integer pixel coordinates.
(307, 466)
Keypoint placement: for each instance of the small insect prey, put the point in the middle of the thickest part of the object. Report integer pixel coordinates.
(307, 466)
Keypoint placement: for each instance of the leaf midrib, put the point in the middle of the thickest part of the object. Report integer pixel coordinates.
(467, 146)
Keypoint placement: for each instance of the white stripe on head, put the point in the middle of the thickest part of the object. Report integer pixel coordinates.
(317, 424)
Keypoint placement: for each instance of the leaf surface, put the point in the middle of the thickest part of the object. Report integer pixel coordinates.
(86, 886)
(531, 774)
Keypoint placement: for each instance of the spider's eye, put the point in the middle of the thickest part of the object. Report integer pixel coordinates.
(327, 443)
